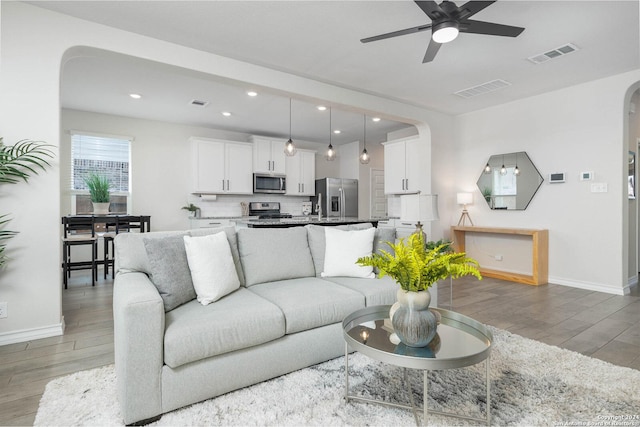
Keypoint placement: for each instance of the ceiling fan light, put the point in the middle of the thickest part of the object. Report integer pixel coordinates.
(445, 32)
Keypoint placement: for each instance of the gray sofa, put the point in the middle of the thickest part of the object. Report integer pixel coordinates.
(283, 317)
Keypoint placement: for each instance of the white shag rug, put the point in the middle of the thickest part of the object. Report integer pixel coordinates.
(532, 384)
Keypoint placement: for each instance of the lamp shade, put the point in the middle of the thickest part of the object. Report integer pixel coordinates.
(465, 198)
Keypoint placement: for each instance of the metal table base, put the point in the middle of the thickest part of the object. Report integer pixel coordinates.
(412, 407)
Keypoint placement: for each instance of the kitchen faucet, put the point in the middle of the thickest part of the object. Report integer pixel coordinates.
(319, 206)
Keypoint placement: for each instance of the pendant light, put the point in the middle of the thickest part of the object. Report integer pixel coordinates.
(516, 171)
(331, 153)
(487, 169)
(364, 156)
(289, 148)
(503, 170)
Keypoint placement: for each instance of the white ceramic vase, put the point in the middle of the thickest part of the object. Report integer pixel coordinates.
(100, 208)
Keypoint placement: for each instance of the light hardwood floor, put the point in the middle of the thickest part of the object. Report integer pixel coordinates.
(596, 324)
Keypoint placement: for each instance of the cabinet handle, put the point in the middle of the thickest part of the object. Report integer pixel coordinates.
(223, 185)
(407, 186)
(403, 183)
(303, 187)
(227, 185)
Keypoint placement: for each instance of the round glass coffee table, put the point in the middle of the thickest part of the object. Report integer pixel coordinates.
(460, 341)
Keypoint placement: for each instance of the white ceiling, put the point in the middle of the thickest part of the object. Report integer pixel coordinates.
(320, 40)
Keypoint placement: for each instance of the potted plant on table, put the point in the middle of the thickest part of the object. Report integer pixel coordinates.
(193, 210)
(416, 268)
(99, 190)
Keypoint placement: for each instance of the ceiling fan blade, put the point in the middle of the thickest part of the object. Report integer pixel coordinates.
(397, 33)
(431, 8)
(433, 48)
(470, 8)
(489, 28)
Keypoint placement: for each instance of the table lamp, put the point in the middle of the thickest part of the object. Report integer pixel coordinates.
(465, 199)
(427, 211)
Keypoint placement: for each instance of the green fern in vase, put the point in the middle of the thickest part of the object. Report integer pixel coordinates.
(417, 268)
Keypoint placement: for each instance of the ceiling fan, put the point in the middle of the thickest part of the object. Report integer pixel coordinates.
(447, 20)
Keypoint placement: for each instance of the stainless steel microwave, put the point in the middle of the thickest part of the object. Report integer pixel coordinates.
(266, 183)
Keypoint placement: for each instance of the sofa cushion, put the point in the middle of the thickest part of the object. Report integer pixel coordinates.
(212, 270)
(130, 252)
(131, 255)
(170, 270)
(266, 254)
(233, 244)
(342, 250)
(375, 291)
(317, 240)
(239, 320)
(310, 302)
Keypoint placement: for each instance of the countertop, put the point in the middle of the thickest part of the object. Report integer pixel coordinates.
(304, 220)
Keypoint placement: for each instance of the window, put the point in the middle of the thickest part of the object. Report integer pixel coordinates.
(105, 155)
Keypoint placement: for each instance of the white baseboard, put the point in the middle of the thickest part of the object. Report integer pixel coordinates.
(598, 287)
(32, 334)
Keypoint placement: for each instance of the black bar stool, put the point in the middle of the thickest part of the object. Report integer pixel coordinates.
(79, 231)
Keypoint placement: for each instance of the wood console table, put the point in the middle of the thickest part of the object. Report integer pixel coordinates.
(540, 261)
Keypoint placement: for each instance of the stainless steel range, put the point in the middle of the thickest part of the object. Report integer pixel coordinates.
(267, 210)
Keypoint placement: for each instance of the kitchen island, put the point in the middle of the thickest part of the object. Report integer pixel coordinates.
(301, 221)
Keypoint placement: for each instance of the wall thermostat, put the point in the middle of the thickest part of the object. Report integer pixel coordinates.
(556, 177)
(586, 176)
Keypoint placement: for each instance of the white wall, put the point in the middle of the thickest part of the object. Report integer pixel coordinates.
(572, 130)
(35, 44)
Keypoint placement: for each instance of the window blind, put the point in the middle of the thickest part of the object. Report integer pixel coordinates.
(107, 156)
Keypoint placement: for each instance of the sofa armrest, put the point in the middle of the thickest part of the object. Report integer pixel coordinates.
(138, 316)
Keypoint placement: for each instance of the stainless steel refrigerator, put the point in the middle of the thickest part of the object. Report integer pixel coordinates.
(339, 197)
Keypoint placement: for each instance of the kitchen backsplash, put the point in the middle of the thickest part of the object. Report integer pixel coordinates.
(229, 206)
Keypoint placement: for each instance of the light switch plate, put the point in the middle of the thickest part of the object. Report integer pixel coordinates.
(599, 187)
(586, 176)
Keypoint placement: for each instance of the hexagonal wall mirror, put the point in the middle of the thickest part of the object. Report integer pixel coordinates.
(509, 181)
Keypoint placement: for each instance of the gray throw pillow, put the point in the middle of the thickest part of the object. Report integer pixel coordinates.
(169, 270)
(382, 236)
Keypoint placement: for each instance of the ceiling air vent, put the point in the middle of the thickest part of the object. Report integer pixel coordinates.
(198, 103)
(483, 88)
(553, 53)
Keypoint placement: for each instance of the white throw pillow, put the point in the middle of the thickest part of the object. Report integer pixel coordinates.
(342, 250)
(213, 272)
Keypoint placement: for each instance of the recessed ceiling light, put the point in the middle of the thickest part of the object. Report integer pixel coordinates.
(336, 131)
(135, 95)
(252, 93)
(321, 107)
(376, 119)
(226, 113)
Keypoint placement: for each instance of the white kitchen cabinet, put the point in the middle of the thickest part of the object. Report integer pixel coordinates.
(301, 173)
(268, 156)
(221, 167)
(402, 162)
